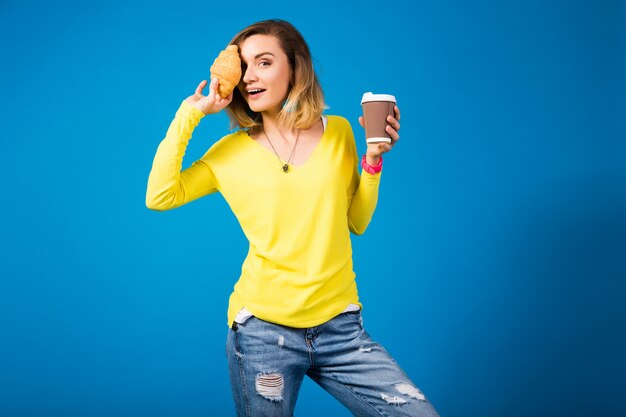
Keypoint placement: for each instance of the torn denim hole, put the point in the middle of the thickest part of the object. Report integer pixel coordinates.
(392, 399)
(411, 391)
(270, 385)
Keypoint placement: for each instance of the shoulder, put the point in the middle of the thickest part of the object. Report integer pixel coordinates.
(227, 144)
(338, 122)
(232, 139)
(340, 129)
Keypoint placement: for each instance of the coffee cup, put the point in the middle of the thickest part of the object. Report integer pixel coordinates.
(376, 108)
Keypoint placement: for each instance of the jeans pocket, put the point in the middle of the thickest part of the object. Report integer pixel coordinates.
(354, 317)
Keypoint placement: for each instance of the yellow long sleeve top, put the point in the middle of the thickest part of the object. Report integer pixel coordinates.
(298, 271)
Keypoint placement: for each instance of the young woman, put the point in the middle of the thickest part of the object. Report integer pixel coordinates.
(290, 176)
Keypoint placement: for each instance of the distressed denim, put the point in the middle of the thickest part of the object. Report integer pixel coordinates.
(267, 363)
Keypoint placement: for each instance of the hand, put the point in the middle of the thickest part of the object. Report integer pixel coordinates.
(211, 103)
(375, 150)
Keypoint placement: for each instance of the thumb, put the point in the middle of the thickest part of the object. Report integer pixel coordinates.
(361, 121)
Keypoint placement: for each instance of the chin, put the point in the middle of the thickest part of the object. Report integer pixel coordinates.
(255, 109)
(259, 108)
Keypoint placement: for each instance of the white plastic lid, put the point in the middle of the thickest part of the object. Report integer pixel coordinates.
(369, 96)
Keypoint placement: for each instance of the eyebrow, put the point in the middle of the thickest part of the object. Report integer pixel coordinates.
(264, 53)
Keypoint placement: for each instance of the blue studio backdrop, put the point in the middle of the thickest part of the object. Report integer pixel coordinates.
(494, 267)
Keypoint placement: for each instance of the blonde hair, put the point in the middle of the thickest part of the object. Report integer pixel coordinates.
(305, 101)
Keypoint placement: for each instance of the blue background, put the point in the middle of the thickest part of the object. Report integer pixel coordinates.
(493, 270)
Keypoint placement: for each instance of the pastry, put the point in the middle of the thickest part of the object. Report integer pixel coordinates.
(227, 69)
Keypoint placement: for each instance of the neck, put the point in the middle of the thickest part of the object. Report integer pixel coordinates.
(275, 131)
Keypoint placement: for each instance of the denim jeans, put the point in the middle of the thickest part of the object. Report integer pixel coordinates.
(267, 363)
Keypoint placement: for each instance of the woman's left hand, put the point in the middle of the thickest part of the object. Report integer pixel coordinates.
(375, 150)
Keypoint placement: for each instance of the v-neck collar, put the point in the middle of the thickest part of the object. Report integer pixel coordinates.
(293, 167)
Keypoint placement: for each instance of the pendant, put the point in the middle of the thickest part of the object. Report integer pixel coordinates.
(285, 168)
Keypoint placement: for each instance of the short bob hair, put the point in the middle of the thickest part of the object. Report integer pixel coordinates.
(305, 101)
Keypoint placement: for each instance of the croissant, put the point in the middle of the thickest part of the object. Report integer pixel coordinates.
(227, 69)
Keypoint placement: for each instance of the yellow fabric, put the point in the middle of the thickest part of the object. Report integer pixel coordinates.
(298, 271)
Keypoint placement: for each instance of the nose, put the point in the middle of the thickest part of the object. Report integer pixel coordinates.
(249, 75)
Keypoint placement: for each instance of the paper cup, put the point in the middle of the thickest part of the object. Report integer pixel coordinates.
(376, 108)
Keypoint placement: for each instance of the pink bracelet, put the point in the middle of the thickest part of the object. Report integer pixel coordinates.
(372, 169)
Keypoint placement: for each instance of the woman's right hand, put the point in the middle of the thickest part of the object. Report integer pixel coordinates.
(211, 103)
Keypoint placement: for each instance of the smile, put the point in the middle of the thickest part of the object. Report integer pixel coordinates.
(254, 94)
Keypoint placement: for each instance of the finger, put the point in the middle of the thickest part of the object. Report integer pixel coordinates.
(361, 121)
(394, 135)
(224, 101)
(397, 110)
(200, 87)
(393, 121)
(213, 88)
(384, 147)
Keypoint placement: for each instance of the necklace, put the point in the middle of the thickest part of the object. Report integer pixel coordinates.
(285, 166)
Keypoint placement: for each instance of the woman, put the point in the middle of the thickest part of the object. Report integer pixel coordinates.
(290, 176)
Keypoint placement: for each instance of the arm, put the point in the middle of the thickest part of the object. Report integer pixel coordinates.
(168, 187)
(363, 195)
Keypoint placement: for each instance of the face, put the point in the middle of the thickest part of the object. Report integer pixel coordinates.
(264, 66)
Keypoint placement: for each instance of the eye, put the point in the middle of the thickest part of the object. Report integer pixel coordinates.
(244, 67)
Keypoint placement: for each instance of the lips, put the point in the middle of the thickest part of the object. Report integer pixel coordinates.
(256, 95)
(256, 91)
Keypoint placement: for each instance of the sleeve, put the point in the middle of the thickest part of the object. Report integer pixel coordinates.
(362, 193)
(168, 187)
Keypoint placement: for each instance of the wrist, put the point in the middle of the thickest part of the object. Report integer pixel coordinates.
(372, 167)
(373, 160)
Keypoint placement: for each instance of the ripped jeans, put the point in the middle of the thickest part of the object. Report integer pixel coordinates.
(267, 363)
